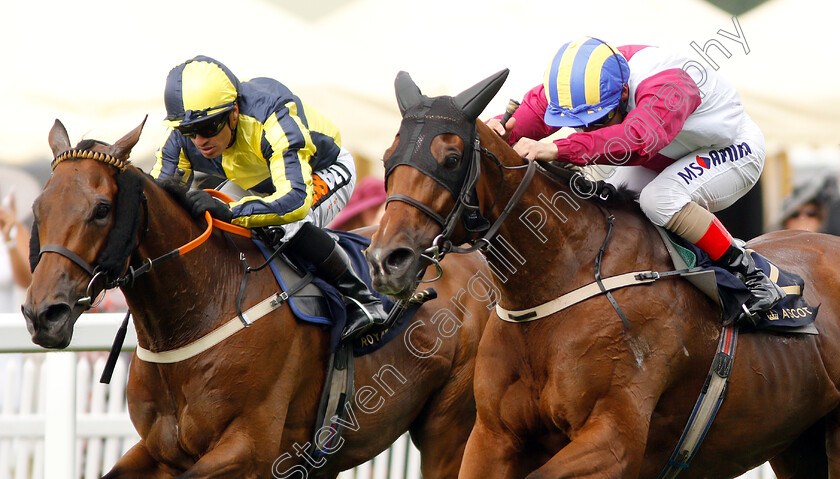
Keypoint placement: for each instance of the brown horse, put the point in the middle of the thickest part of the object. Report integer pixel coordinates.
(576, 394)
(246, 407)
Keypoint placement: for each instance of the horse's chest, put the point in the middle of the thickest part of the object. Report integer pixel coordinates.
(178, 431)
(179, 439)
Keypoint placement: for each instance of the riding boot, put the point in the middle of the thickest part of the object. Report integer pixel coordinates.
(702, 228)
(333, 264)
(764, 294)
(364, 308)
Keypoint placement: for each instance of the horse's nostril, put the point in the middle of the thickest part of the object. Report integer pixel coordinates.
(398, 260)
(55, 312)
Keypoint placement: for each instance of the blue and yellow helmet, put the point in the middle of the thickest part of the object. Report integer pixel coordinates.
(583, 82)
(197, 90)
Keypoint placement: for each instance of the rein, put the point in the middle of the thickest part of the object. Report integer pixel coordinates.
(98, 274)
(442, 244)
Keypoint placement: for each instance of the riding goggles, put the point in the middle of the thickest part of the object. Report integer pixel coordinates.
(207, 129)
(604, 120)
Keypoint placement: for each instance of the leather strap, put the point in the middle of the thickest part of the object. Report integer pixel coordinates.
(707, 405)
(420, 206)
(216, 336)
(55, 248)
(613, 302)
(574, 297)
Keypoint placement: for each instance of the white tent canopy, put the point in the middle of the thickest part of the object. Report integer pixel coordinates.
(100, 65)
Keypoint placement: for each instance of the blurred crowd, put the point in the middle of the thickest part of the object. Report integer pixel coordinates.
(813, 205)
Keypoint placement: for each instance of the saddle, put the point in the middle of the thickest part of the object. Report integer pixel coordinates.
(791, 315)
(318, 302)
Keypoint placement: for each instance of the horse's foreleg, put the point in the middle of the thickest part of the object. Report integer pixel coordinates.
(605, 448)
(441, 433)
(137, 462)
(491, 454)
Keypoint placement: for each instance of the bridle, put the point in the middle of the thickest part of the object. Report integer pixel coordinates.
(101, 279)
(466, 208)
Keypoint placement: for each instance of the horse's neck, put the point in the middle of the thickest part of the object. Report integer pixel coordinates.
(182, 298)
(550, 235)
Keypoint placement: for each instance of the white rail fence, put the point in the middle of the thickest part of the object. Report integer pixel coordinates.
(58, 422)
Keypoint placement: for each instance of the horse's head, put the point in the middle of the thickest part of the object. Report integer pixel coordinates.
(86, 223)
(431, 172)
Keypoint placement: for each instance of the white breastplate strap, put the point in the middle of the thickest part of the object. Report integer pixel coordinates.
(216, 336)
(576, 296)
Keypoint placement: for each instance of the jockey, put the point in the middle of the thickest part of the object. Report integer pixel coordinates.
(262, 138)
(677, 132)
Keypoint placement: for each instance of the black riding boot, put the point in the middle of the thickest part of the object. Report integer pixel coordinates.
(764, 293)
(364, 309)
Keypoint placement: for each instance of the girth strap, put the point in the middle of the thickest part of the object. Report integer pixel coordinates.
(705, 409)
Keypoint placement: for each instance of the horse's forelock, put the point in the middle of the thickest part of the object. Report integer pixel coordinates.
(93, 145)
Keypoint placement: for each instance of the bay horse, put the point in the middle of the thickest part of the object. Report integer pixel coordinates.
(246, 407)
(577, 394)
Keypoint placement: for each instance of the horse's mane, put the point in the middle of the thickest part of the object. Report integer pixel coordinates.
(127, 209)
(622, 197)
(562, 176)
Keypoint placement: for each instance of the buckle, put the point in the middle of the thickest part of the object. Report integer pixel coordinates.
(604, 194)
(280, 298)
(648, 276)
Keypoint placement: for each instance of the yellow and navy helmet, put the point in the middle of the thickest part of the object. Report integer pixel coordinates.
(197, 90)
(583, 82)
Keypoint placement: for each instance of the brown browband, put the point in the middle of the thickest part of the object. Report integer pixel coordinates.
(74, 153)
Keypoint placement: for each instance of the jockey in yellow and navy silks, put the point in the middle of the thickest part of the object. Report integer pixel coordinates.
(678, 135)
(278, 143)
(283, 161)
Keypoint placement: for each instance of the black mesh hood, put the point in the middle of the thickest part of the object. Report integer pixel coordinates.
(420, 125)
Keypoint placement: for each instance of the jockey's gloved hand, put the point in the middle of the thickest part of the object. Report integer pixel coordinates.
(199, 201)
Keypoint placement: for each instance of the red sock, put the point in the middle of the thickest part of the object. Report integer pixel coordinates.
(715, 241)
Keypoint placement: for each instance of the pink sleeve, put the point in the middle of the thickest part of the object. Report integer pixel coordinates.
(529, 117)
(663, 103)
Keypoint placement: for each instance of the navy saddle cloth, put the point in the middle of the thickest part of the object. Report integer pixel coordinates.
(791, 312)
(329, 310)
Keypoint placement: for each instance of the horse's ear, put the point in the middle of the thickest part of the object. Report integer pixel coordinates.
(123, 146)
(59, 140)
(473, 100)
(408, 94)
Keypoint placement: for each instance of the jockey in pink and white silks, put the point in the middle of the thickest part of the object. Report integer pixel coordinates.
(677, 132)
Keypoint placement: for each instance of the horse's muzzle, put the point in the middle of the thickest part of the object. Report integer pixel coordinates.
(50, 326)
(393, 270)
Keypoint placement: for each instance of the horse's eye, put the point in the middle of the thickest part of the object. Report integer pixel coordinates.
(451, 161)
(102, 211)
